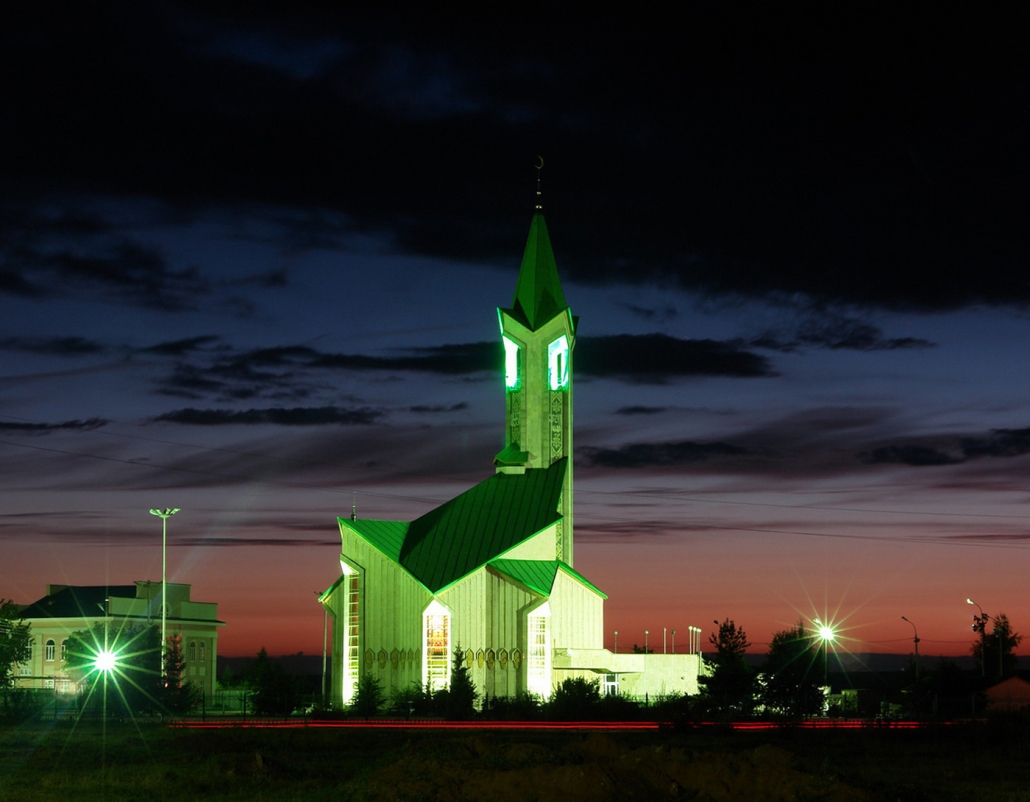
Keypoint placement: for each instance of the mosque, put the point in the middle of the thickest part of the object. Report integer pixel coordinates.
(490, 572)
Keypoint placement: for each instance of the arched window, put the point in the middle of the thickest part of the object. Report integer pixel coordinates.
(64, 650)
(50, 650)
(193, 651)
(203, 651)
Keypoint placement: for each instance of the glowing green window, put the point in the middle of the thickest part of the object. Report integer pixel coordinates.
(511, 364)
(558, 363)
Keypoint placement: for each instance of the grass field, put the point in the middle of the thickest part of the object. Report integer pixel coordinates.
(151, 762)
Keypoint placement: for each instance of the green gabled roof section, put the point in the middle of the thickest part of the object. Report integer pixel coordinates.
(538, 292)
(512, 455)
(467, 532)
(538, 575)
(386, 536)
(482, 523)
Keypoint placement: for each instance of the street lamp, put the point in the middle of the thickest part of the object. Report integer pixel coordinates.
(826, 634)
(164, 516)
(645, 641)
(674, 641)
(616, 650)
(915, 642)
(980, 625)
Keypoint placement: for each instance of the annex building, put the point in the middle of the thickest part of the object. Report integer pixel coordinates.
(67, 609)
(491, 572)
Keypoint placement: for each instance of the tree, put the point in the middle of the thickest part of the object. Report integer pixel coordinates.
(15, 641)
(996, 650)
(462, 694)
(133, 673)
(274, 691)
(730, 686)
(575, 699)
(177, 696)
(368, 697)
(792, 672)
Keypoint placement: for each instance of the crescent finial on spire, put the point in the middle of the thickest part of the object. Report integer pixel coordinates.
(539, 195)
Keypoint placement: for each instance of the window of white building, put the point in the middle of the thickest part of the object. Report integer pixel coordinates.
(538, 651)
(203, 651)
(50, 650)
(436, 646)
(64, 650)
(193, 651)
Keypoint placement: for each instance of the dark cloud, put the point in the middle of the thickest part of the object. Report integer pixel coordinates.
(272, 279)
(53, 346)
(180, 347)
(657, 358)
(646, 455)
(911, 455)
(253, 542)
(126, 272)
(439, 408)
(845, 156)
(654, 358)
(44, 428)
(953, 450)
(836, 333)
(297, 416)
(664, 314)
(639, 410)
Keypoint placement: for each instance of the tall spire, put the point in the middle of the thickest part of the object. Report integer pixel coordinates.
(538, 292)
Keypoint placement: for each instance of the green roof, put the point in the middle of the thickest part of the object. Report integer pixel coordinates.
(538, 292)
(387, 536)
(538, 575)
(467, 532)
(512, 455)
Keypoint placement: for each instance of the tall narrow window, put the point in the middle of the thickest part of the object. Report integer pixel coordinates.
(511, 364)
(50, 650)
(436, 646)
(538, 651)
(558, 363)
(193, 651)
(203, 651)
(349, 619)
(64, 650)
(352, 644)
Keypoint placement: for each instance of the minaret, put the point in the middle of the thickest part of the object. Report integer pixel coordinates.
(539, 334)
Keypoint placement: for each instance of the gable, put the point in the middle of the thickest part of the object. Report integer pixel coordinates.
(468, 531)
(539, 575)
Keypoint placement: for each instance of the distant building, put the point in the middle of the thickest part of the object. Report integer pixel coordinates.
(67, 609)
(1009, 694)
(491, 571)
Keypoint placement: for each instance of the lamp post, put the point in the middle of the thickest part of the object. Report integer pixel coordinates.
(980, 625)
(674, 641)
(915, 642)
(826, 634)
(164, 516)
(616, 650)
(645, 641)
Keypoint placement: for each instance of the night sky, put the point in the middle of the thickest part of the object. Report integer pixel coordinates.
(250, 255)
